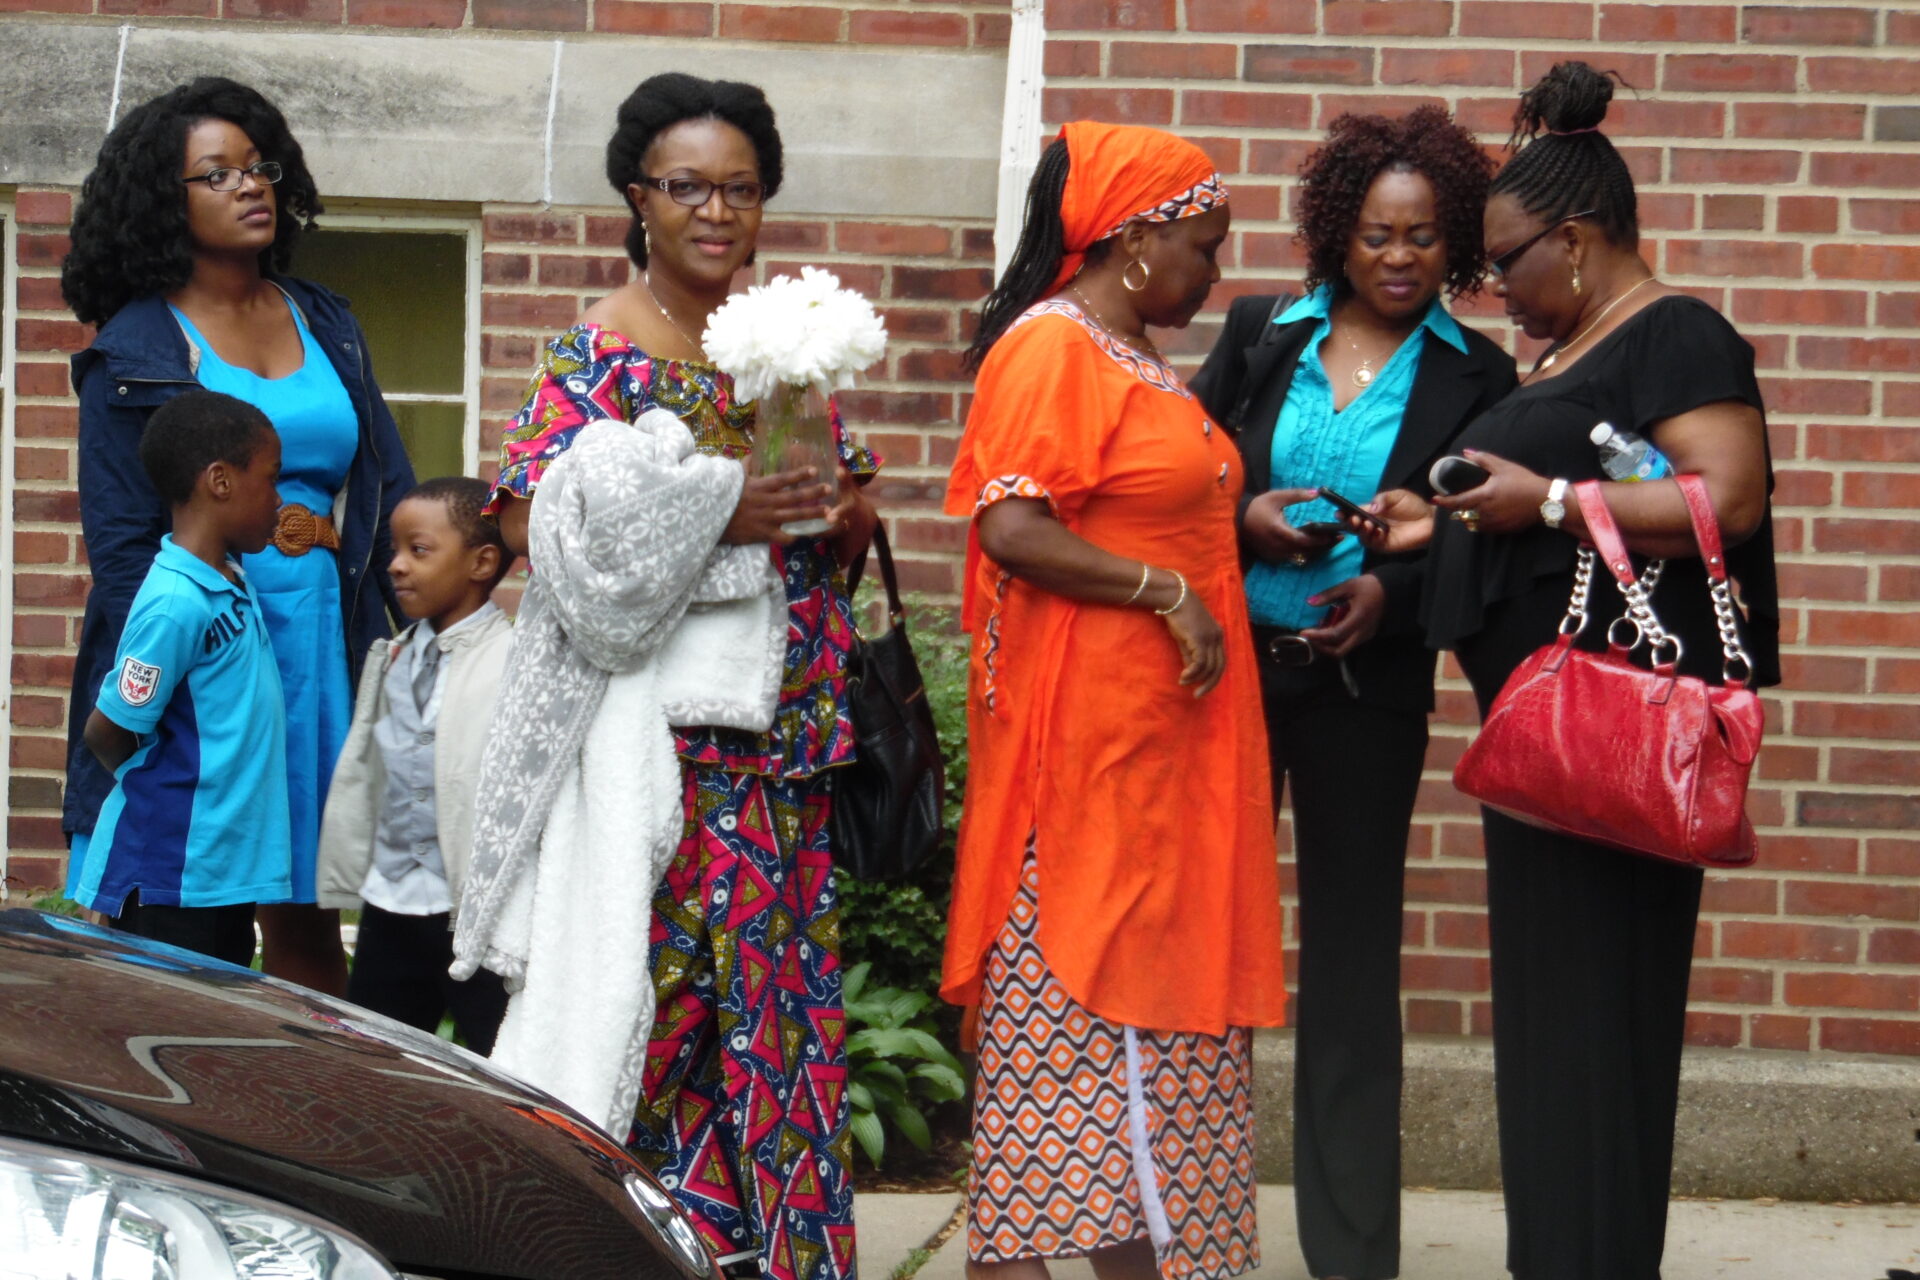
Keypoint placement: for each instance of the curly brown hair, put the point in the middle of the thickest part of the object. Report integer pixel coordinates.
(1335, 178)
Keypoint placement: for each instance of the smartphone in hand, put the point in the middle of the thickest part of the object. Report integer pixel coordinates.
(1454, 474)
(1347, 506)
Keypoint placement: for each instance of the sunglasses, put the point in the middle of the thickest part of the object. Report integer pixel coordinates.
(1504, 263)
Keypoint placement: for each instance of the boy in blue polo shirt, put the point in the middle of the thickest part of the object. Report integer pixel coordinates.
(191, 720)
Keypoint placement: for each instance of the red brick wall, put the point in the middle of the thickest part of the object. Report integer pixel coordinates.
(50, 582)
(1777, 151)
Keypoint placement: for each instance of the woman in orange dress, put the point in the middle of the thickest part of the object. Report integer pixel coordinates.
(1116, 907)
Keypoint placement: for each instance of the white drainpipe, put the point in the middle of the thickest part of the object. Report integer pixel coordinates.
(1019, 126)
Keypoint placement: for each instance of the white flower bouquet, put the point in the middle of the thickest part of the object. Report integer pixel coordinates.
(789, 344)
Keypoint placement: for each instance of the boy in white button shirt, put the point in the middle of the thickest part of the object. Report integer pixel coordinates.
(399, 820)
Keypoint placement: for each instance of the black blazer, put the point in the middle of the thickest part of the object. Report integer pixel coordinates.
(1243, 385)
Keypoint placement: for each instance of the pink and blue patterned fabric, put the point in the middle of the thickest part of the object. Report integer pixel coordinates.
(744, 1112)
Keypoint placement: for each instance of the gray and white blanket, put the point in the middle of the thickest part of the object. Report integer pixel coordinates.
(635, 619)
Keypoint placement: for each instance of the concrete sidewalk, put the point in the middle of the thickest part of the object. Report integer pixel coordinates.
(1461, 1235)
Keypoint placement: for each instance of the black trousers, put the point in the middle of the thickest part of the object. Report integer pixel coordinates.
(1591, 955)
(1353, 771)
(225, 933)
(400, 969)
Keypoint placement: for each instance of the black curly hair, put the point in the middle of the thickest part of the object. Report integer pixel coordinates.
(665, 100)
(1562, 164)
(130, 232)
(1334, 181)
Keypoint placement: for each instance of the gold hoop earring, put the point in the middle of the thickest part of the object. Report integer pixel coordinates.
(1146, 274)
(1576, 281)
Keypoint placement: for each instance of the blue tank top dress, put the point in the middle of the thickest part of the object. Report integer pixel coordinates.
(300, 595)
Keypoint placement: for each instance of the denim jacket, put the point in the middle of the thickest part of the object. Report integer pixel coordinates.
(139, 360)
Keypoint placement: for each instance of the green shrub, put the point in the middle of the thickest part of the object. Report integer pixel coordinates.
(896, 1066)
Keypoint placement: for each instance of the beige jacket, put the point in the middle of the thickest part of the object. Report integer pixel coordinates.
(476, 661)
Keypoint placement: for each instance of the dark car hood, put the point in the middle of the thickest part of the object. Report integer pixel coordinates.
(151, 1054)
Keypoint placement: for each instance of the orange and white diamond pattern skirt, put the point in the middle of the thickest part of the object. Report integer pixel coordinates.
(1089, 1134)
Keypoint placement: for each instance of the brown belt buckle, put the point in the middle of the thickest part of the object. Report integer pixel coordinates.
(299, 531)
(1290, 650)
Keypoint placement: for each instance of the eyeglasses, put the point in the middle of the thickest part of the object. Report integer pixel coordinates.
(1504, 263)
(694, 192)
(228, 178)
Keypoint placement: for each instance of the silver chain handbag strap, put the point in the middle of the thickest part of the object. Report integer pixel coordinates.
(1647, 625)
(1732, 652)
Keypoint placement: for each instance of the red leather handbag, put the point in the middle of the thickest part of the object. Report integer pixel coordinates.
(1649, 762)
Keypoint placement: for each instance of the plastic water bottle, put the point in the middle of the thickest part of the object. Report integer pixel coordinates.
(1625, 456)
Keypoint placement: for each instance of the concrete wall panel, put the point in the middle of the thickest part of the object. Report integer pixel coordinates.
(379, 117)
(909, 133)
(906, 134)
(56, 83)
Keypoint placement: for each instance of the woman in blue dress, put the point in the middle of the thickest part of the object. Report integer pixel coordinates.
(184, 226)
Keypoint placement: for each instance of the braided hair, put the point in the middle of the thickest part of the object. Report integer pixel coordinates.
(130, 237)
(1036, 258)
(1562, 164)
(670, 98)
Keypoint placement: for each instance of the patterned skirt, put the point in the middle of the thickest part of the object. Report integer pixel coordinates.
(1089, 1134)
(744, 1111)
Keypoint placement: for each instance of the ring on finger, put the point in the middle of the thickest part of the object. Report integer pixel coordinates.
(1298, 559)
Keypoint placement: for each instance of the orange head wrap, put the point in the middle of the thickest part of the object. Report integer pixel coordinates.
(1119, 172)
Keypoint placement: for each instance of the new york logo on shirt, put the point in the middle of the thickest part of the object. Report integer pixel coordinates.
(137, 682)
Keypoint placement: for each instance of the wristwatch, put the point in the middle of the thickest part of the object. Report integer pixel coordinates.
(1553, 510)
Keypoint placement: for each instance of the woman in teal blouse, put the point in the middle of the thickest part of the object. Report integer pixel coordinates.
(1358, 386)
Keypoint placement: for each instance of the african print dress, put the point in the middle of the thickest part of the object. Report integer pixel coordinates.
(744, 1113)
(1116, 908)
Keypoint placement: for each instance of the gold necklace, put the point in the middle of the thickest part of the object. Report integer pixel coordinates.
(1093, 313)
(1363, 376)
(646, 278)
(1563, 348)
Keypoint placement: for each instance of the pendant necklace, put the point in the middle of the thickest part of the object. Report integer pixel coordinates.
(1548, 361)
(1362, 376)
(647, 279)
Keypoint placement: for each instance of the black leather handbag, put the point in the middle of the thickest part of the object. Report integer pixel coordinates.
(886, 804)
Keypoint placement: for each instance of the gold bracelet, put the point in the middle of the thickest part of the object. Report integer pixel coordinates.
(1145, 570)
(1178, 600)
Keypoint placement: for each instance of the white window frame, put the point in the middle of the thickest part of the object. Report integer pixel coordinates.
(9, 333)
(469, 231)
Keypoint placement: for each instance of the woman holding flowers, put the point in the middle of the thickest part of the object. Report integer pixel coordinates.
(1116, 906)
(736, 1085)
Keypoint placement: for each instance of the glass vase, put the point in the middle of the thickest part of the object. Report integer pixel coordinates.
(791, 431)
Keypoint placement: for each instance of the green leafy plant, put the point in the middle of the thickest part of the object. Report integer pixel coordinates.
(897, 1067)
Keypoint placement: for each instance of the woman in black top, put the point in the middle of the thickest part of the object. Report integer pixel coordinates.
(1360, 385)
(1590, 946)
